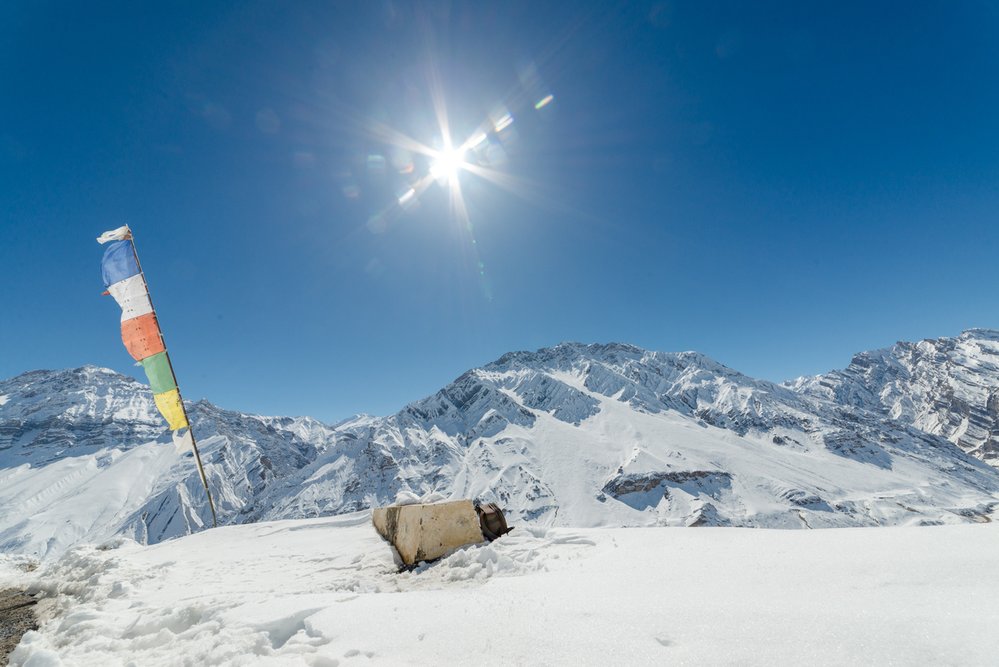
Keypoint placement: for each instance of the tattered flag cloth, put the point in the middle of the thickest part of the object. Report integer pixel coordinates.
(119, 234)
(183, 443)
(140, 331)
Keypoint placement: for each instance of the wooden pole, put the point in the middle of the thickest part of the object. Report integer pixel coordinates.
(194, 445)
(197, 457)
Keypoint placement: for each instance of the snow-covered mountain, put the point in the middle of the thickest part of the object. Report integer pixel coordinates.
(85, 455)
(947, 387)
(582, 435)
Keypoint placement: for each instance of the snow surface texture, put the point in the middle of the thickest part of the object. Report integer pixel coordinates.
(327, 592)
(574, 435)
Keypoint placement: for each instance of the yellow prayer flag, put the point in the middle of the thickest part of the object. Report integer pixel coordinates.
(170, 407)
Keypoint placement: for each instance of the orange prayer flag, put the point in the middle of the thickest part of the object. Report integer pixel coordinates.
(141, 336)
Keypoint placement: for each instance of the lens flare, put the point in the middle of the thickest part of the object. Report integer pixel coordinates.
(454, 162)
(544, 101)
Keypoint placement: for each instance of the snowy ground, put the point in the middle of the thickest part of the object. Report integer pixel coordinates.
(326, 592)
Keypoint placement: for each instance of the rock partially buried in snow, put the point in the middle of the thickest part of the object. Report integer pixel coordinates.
(428, 531)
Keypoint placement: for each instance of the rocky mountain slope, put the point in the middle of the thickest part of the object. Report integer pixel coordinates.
(583, 435)
(947, 387)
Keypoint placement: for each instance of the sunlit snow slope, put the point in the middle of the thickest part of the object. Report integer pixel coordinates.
(574, 435)
(326, 591)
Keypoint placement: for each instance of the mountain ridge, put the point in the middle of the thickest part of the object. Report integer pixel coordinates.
(573, 434)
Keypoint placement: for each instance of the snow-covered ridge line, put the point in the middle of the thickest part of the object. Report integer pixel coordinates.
(574, 435)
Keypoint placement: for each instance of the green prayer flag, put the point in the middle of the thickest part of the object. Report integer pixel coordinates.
(158, 371)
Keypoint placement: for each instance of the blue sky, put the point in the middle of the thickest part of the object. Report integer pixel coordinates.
(777, 185)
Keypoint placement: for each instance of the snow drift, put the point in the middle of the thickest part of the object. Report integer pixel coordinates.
(326, 591)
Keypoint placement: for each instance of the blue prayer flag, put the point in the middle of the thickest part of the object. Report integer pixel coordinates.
(119, 262)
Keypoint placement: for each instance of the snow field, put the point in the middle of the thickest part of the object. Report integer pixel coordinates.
(46, 509)
(327, 592)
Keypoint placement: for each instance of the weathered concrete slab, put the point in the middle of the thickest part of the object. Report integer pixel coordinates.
(425, 532)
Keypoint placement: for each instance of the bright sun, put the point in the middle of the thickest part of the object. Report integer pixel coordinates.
(447, 163)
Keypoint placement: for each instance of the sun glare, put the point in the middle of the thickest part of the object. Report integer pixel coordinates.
(447, 163)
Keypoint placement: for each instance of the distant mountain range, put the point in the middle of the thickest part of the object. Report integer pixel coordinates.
(575, 434)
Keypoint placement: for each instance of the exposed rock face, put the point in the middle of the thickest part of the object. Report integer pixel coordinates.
(17, 616)
(644, 490)
(47, 415)
(573, 435)
(947, 387)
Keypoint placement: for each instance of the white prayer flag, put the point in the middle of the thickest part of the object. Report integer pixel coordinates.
(119, 234)
(183, 443)
(131, 295)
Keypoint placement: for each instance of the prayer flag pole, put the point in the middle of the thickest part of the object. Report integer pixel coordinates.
(190, 429)
(143, 337)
